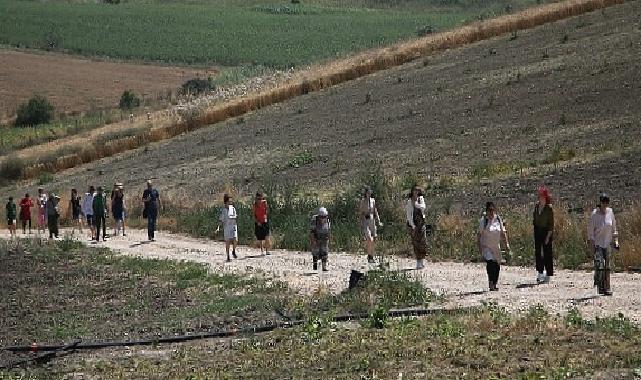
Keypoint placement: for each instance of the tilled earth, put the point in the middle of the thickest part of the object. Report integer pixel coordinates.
(556, 104)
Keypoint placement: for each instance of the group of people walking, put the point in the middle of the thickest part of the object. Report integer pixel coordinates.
(91, 209)
(492, 236)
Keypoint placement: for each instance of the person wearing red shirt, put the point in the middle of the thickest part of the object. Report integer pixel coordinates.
(26, 204)
(261, 222)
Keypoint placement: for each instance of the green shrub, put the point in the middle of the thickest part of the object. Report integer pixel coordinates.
(197, 86)
(38, 110)
(12, 168)
(129, 100)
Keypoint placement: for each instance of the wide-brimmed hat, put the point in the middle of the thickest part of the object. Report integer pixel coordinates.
(322, 211)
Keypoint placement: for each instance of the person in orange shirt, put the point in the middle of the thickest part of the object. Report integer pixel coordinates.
(261, 222)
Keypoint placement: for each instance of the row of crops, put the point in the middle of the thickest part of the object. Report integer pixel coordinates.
(213, 33)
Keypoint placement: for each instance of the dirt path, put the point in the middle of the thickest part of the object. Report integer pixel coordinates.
(462, 284)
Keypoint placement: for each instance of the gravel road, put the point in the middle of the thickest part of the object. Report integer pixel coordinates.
(463, 284)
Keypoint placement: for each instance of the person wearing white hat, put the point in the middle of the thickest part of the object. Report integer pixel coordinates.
(319, 235)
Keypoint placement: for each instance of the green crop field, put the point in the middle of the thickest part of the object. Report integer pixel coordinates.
(229, 32)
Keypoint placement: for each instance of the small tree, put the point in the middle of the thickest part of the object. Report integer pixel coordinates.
(36, 111)
(128, 100)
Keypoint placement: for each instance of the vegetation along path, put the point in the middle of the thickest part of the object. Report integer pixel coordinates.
(463, 284)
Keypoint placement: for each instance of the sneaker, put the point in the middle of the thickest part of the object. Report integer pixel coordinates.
(546, 279)
(228, 259)
(233, 254)
(315, 265)
(267, 253)
(420, 264)
(540, 278)
(370, 259)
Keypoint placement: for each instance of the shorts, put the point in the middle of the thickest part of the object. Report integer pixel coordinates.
(368, 229)
(261, 231)
(76, 215)
(231, 232)
(119, 215)
(11, 222)
(90, 220)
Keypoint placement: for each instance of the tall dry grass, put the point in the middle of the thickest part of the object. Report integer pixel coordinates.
(328, 75)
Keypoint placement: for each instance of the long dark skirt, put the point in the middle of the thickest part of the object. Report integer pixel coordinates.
(419, 242)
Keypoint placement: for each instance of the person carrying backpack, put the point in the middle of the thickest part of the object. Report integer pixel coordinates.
(100, 213)
(319, 235)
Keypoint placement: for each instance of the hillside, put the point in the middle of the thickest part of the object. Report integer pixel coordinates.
(555, 104)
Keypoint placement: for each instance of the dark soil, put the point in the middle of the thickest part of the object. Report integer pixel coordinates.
(556, 104)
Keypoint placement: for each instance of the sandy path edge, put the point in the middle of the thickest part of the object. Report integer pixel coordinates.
(463, 284)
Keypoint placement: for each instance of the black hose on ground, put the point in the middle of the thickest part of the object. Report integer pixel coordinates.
(397, 313)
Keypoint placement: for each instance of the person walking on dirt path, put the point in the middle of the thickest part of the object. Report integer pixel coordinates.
(319, 236)
(228, 220)
(543, 221)
(87, 211)
(42, 210)
(603, 233)
(261, 222)
(53, 214)
(100, 213)
(369, 219)
(26, 204)
(76, 211)
(118, 208)
(12, 215)
(151, 206)
(415, 218)
(491, 233)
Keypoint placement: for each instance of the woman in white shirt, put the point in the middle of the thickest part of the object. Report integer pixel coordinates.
(415, 218)
(369, 219)
(602, 232)
(227, 219)
(491, 233)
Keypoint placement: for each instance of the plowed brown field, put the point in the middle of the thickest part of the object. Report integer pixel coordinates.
(555, 104)
(76, 84)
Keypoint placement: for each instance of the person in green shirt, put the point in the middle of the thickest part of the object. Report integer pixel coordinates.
(12, 215)
(100, 213)
(543, 221)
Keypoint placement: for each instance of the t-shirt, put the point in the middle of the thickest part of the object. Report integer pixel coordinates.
(11, 211)
(152, 204)
(260, 211)
(602, 227)
(87, 204)
(25, 208)
(320, 228)
(42, 203)
(99, 204)
(228, 216)
(490, 231)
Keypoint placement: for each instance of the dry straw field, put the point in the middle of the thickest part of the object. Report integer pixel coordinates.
(64, 155)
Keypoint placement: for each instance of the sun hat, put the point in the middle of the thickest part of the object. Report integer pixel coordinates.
(322, 211)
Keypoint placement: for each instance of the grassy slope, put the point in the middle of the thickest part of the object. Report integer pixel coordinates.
(224, 34)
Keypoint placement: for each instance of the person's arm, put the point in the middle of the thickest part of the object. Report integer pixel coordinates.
(377, 216)
(409, 209)
(420, 203)
(548, 237)
(160, 206)
(615, 232)
(591, 229)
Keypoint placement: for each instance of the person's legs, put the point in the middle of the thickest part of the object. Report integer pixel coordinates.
(55, 226)
(419, 241)
(98, 221)
(548, 259)
(538, 255)
(104, 227)
(323, 257)
(227, 244)
(151, 227)
(606, 275)
(24, 226)
(50, 226)
(234, 242)
(493, 268)
(599, 269)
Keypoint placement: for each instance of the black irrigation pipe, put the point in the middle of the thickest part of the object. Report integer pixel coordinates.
(233, 332)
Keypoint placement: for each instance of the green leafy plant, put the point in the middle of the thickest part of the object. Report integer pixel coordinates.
(38, 110)
(129, 100)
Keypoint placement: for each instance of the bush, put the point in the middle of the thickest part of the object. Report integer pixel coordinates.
(38, 110)
(128, 100)
(12, 168)
(197, 86)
